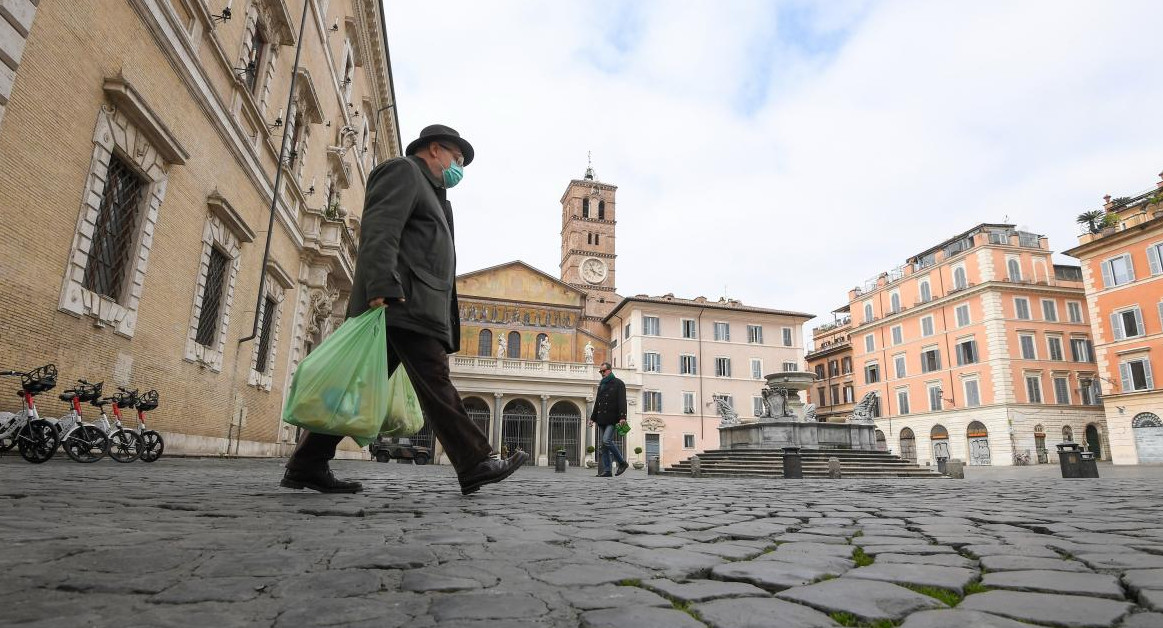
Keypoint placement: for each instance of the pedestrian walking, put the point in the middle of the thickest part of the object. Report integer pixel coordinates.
(609, 411)
(407, 264)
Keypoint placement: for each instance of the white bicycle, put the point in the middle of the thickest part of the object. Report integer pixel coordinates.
(35, 437)
(83, 442)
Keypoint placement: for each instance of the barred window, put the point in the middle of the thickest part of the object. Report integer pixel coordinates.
(114, 233)
(211, 309)
(265, 334)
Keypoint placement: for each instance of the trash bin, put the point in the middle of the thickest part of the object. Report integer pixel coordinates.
(793, 466)
(942, 467)
(559, 462)
(1070, 459)
(652, 465)
(1088, 465)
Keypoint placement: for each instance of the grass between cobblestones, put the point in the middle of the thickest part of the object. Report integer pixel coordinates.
(860, 558)
(976, 587)
(950, 598)
(848, 619)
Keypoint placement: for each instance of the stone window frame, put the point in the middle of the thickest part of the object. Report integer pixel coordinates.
(966, 380)
(225, 230)
(756, 373)
(1034, 376)
(1077, 307)
(903, 405)
(275, 285)
(723, 366)
(1018, 311)
(968, 315)
(128, 127)
(1052, 310)
(932, 326)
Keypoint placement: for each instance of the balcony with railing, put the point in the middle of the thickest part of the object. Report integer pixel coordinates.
(506, 367)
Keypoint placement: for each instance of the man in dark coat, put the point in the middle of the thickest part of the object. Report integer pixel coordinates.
(407, 264)
(609, 412)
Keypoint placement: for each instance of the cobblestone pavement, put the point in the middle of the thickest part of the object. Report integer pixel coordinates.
(209, 542)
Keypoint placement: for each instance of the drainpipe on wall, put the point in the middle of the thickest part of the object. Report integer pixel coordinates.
(699, 336)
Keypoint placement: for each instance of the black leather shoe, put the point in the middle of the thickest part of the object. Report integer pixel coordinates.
(622, 466)
(322, 481)
(604, 475)
(489, 471)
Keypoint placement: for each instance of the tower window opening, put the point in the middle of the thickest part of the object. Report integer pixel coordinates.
(601, 210)
(585, 208)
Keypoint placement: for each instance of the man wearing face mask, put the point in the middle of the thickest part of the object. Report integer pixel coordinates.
(407, 264)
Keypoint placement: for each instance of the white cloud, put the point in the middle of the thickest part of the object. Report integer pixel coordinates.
(887, 128)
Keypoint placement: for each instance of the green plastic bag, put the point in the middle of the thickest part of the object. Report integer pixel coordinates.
(623, 428)
(404, 416)
(340, 387)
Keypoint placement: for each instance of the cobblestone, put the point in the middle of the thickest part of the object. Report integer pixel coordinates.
(215, 542)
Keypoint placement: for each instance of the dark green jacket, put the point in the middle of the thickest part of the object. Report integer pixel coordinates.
(406, 250)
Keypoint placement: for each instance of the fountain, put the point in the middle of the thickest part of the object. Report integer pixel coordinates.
(787, 421)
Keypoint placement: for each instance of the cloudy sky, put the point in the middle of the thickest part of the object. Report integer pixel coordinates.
(782, 152)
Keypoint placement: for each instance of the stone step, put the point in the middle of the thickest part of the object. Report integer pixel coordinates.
(814, 462)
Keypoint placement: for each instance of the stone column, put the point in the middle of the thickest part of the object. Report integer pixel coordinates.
(496, 438)
(541, 446)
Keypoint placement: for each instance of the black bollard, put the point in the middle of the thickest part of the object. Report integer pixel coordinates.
(793, 466)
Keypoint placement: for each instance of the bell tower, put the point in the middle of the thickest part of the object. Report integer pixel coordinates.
(588, 212)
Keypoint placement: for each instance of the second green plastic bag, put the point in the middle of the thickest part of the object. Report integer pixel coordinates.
(340, 387)
(404, 416)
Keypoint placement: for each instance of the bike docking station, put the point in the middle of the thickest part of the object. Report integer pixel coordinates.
(38, 438)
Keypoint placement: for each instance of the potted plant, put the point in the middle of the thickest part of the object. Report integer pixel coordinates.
(638, 464)
(590, 462)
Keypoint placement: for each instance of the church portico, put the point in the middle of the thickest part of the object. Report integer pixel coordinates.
(535, 405)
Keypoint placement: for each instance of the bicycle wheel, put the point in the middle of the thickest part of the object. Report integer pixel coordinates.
(124, 445)
(87, 443)
(37, 441)
(152, 446)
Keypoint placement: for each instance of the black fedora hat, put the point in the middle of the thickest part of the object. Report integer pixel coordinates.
(439, 133)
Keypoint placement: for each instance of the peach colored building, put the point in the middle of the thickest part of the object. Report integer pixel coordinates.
(834, 392)
(689, 351)
(979, 348)
(1122, 269)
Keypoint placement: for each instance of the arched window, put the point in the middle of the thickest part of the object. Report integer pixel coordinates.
(926, 292)
(589, 238)
(585, 208)
(514, 345)
(485, 344)
(596, 236)
(601, 210)
(1015, 269)
(895, 301)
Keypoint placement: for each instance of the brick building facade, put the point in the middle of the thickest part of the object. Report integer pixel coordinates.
(138, 152)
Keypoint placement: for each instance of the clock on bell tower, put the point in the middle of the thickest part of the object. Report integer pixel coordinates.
(587, 241)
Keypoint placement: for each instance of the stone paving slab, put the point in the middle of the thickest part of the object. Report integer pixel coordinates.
(950, 578)
(1045, 581)
(1022, 563)
(957, 618)
(760, 613)
(1045, 608)
(868, 600)
(227, 547)
(703, 590)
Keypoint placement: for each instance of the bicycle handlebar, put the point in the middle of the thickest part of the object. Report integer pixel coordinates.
(11, 373)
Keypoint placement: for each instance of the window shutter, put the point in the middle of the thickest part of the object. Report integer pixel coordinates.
(1107, 278)
(1147, 373)
(1130, 268)
(1153, 259)
(1139, 321)
(1125, 376)
(1117, 326)
(960, 351)
(1161, 313)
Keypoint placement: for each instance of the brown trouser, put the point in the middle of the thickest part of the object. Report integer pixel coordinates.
(427, 366)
